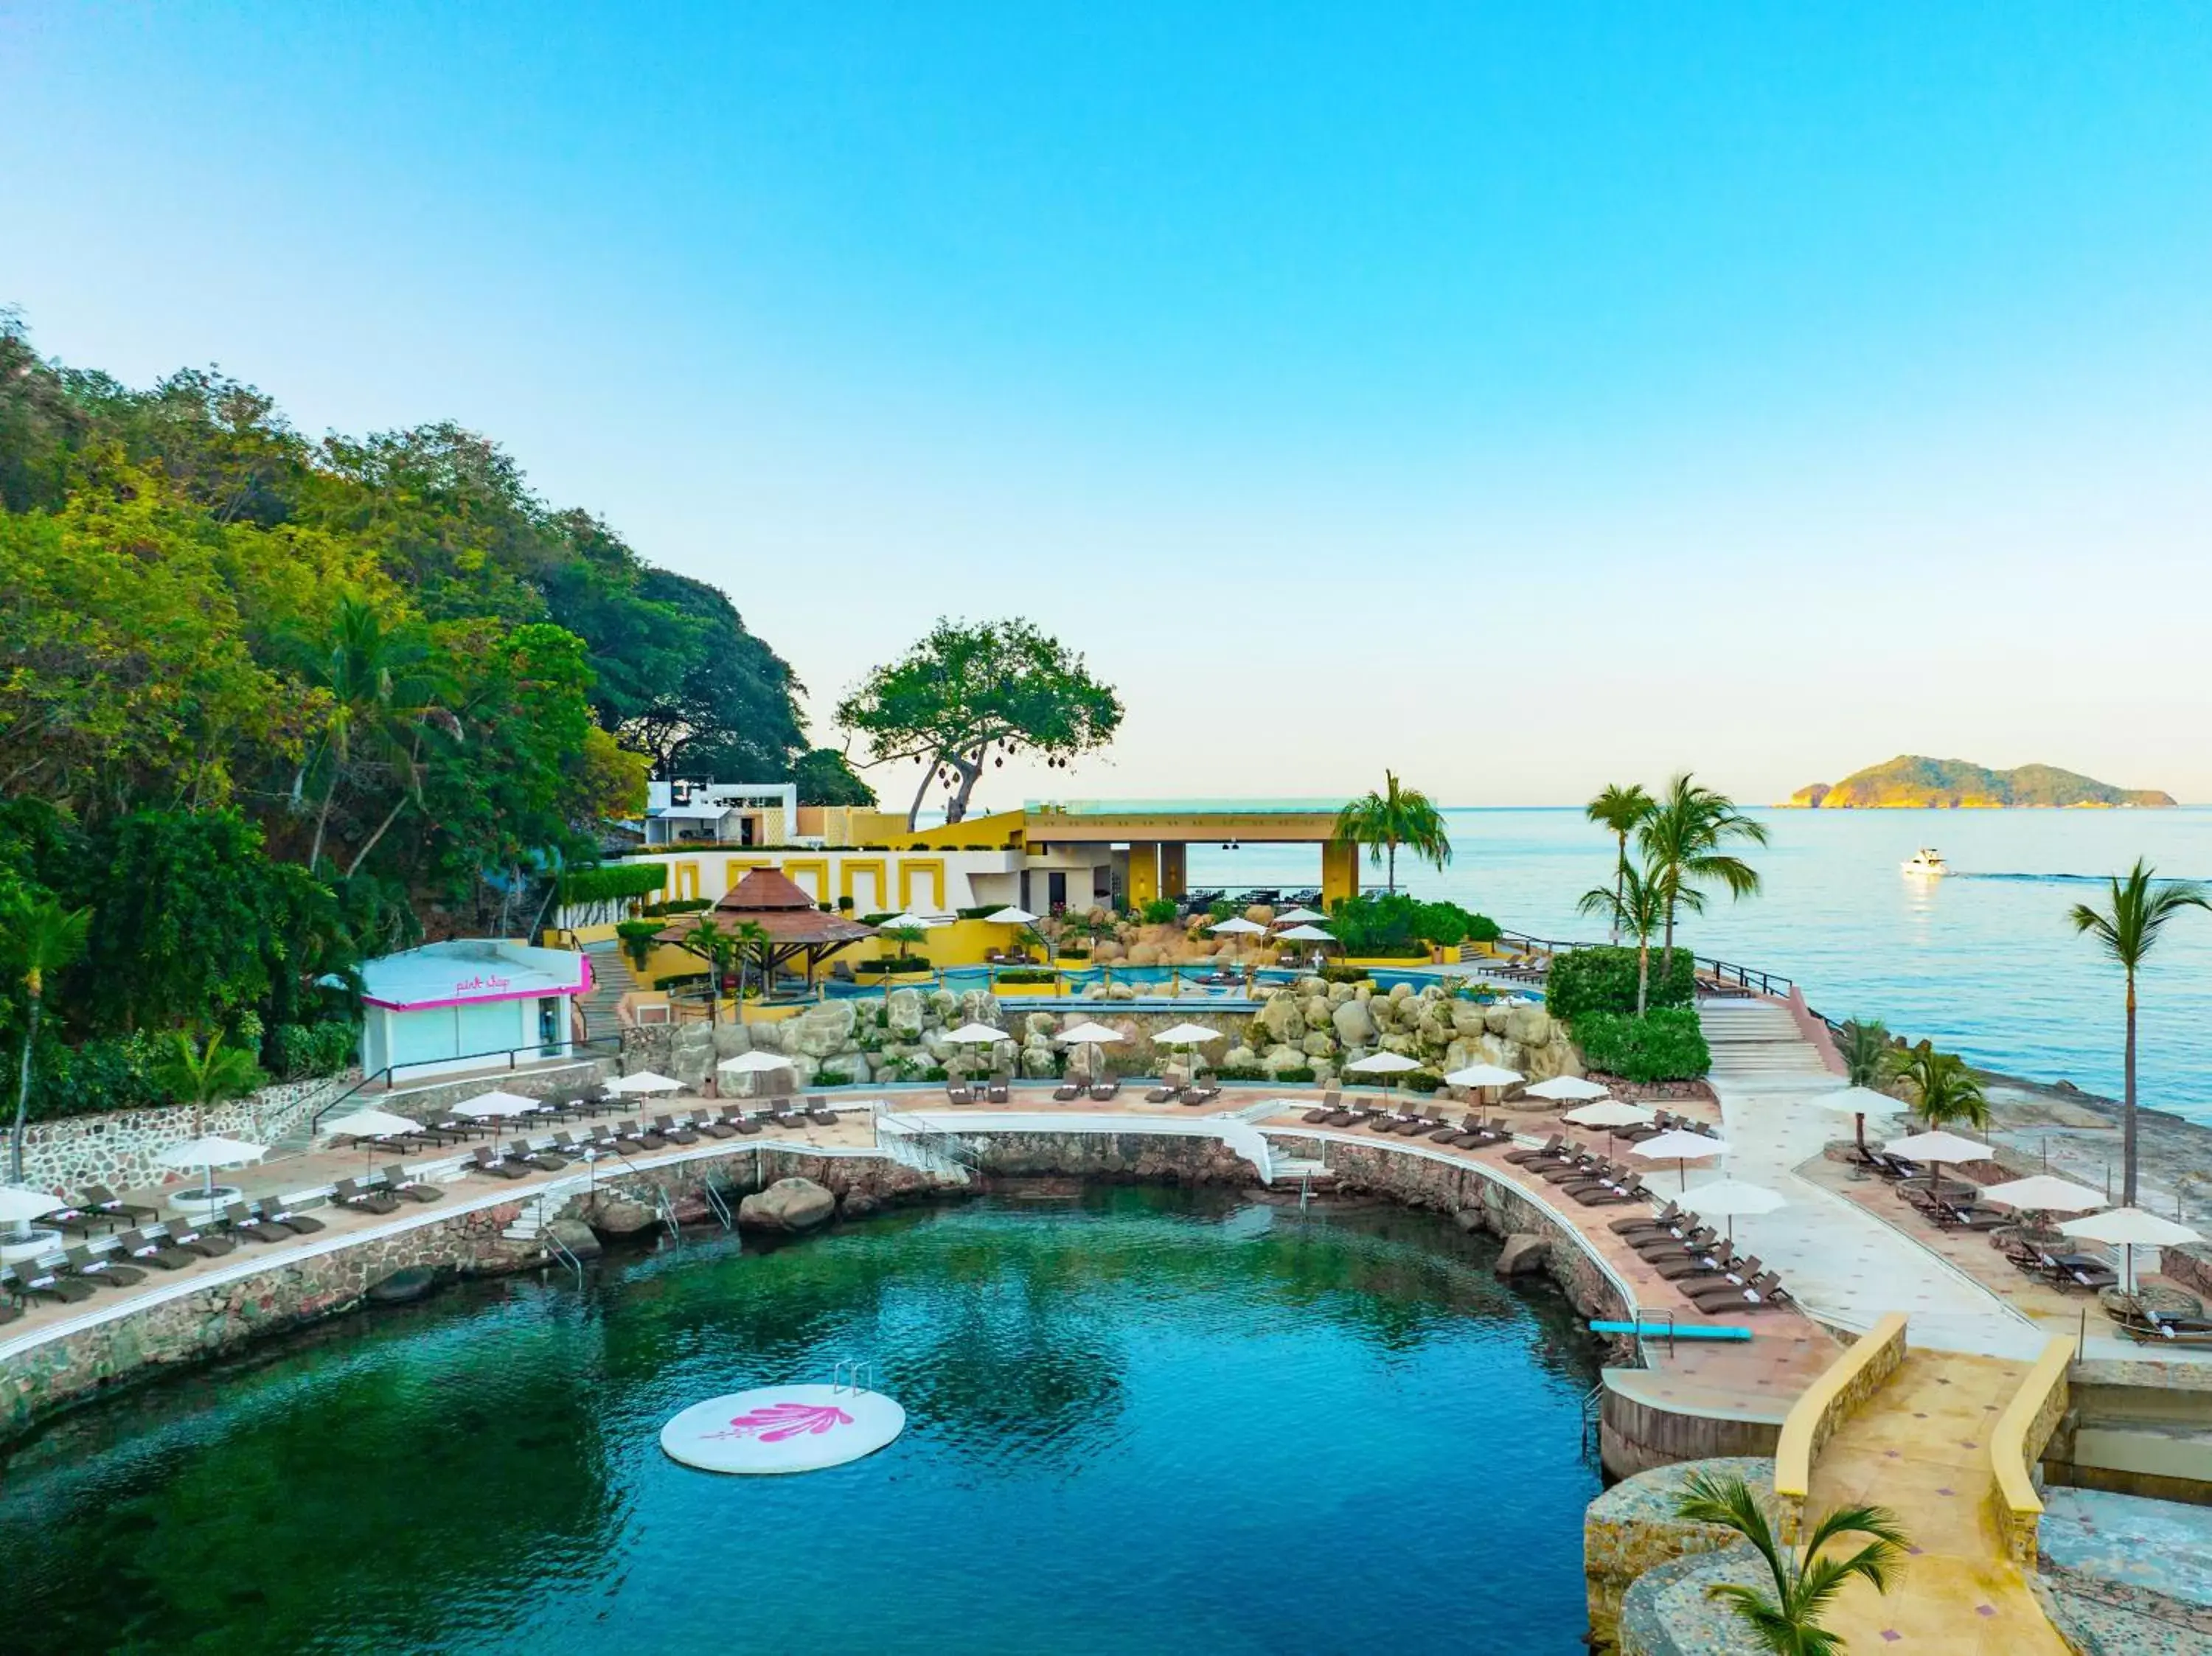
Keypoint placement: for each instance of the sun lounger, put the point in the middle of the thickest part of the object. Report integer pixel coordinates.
(40, 1283)
(107, 1201)
(818, 1111)
(194, 1238)
(958, 1092)
(98, 1269)
(1074, 1086)
(1524, 1156)
(520, 1152)
(1169, 1090)
(1664, 1218)
(1322, 1111)
(79, 1222)
(996, 1092)
(143, 1249)
(401, 1183)
(1763, 1293)
(291, 1218)
(1105, 1088)
(670, 1133)
(484, 1159)
(240, 1220)
(715, 1123)
(349, 1193)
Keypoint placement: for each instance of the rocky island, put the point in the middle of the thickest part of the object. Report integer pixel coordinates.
(1910, 782)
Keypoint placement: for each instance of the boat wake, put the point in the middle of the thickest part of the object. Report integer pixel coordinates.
(2058, 879)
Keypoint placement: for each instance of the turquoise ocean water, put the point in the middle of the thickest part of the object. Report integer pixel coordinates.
(1983, 962)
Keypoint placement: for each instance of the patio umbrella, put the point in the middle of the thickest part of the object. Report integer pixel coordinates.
(753, 1064)
(906, 923)
(977, 1034)
(1088, 1034)
(1011, 916)
(1608, 1113)
(1681, 1149)
(1482, 1075)
(19, 1206)
(1298, 916)
(1382, 1063)
(2132, 1228)
(1568, 1089)
(1238, 926)
(1936, 1148)
(1725, 1199)
(209, 1154)
(2046, 1192)
(370, 1124)
(645, 1081)
(1861, 1102)
(1185, 1034)
(1305, 934)
(486, 1107)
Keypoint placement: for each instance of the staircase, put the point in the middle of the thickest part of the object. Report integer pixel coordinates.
(1758, 1042)
(529, 1225)
(612, 979)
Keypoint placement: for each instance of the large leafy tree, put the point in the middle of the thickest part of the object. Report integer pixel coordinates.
(38, 938)
(731, 714)
(1397, 816)
(1685, 837)
(1787, 1619)
(1620, 811)
(971, 694)
(2137, 911)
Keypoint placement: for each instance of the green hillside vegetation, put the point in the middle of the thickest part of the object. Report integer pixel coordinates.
(1911, 782)
(270, 704)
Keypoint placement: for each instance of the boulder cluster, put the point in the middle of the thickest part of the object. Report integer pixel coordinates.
(1313, 1024)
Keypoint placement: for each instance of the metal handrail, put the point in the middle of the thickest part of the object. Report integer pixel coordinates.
(1767, 983)
(718, 1206)
(560, 1250)
(579, 1052)
(667, 1210)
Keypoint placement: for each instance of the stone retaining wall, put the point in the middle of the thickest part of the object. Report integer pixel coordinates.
(1634, 1436)
(1632, 1529)
(118, 1148)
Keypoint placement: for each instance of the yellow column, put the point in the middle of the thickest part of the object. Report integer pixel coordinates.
(1144, 872)
(1339, 873)
(1174, 868)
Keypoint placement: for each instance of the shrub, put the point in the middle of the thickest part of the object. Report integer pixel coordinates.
(832, 1078)
(110, 1072)
(294, 1051)
(1603, 980)
(1665, 1045)
(1393, 925)
(895, 963)
(1032, 974)
(1297, 1073)
(1160, 911)
(1220, 909)
(1336, 972)
(610, 883)
(680, 905)
(1423, 1081)
(984, 913)
(1240, 1072)
(845, 904)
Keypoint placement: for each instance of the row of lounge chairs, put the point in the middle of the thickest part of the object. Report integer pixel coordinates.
(2053, 1263)
(1702, 1263)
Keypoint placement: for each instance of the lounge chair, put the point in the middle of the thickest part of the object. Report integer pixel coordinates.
(818, 1111)
(1522, 1158)
(98, 1269)
(194, 1238)
(100, 1196)
(2074, 1271)
(519, 1151)
(666, 1127)
(1204, 1093)
(79, 1222)
(1106, 1089)
(484, 1159)
(1322, 1111)
(645, 1138)
(400, 1182)
(1664, 1216)
(996, 1092)
(1763, 1293)
(350, 1193)
(747, 1125)
(292, 1219)
(715, 1123)
(784, 1112)
(40, 1283)
(1613, 1196)
(240, 1220)
(143, 1249)
(1349, 1115)
(1074, 1086)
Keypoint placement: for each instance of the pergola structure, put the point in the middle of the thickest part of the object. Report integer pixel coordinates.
(794, 928)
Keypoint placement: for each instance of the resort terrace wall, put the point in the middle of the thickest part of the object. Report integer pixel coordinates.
(118, 1148)
(1826, 1405)
(2017, 1444)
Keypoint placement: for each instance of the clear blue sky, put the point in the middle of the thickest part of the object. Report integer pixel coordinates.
(1847, 365)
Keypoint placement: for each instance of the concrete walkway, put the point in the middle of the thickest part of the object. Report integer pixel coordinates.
(1920, 1446)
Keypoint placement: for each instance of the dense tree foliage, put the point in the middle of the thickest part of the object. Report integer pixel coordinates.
(268, 704)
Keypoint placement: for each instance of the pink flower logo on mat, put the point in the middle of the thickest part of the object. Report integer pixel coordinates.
(776, 1421)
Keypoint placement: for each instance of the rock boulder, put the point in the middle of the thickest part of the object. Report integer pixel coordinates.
(905, 1010)
(1522, 1256)
(1355, 1025)
(612, 1215)
(790, 1205)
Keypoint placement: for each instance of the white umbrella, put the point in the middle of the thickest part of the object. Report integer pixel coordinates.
(754, 1063)
(1566, 1089)
(17, 1205)
(1305, 934)
(645, 1081)
(1088, 1034)
(977, 1034)
(2045, 1192)
(2131, 1228)
(1861, 1102)
(209, 1154)
(496, 1104)
(1382, 1063)
(904, 922)
(1609, 1112)
(1936, 1148)
(1238, 926)
(1185, 1034)
(1011, 916)
(370, 1124)
(1482, 1075)
(1298, 916)
(1725, 1199)
(1681, 1149)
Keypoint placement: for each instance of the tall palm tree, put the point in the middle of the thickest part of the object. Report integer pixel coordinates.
(2128, 932)
(1396, 816)
(1683, 836)
(40, 937)
(1866, 1052)
(718, 948)
(1806, 1582)
(1942, 1090)
(1637, 907)
(201, 1074)
(1619, 810)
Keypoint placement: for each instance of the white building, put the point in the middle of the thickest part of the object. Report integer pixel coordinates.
(724, 813)
(474, 1003)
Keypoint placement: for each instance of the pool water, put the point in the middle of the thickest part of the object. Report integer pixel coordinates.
(1139, 1420)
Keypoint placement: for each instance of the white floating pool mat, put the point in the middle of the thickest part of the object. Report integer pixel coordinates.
(783, 1428)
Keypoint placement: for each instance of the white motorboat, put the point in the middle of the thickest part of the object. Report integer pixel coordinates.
(1926, 863)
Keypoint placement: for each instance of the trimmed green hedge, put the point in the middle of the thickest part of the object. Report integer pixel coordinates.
(1666, 1044)
(1335, 972)
(1603, 980)
(294, 1051)
(609, 882)
(894, 963)
(680, 905)
(1033, 975)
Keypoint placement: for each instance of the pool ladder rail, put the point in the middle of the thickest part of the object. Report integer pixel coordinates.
(852, 1374)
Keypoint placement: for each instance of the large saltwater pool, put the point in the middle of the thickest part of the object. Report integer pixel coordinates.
(1139, 1421)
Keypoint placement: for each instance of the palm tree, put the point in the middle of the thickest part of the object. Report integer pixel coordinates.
(1396, 816)
(718, 948)
(1867, 1053)
(1637, 908)
(1806, 1582)
(1620, 811)
(1943, 1090)
(1682, 836)
(40, 937)
(2141, 909)
(201, 1075)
